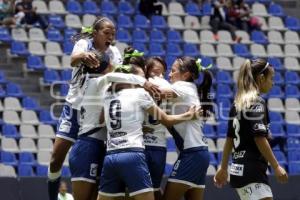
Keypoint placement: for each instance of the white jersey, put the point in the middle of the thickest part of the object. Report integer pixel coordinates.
(189, 131)
(124, 116)
(91, 106)
(157, 135)
(74, 95)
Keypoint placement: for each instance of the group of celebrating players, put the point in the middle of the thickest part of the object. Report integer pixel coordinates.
(117, 113)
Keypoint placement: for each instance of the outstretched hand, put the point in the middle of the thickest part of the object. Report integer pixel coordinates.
(90, 59)
(195, 112)
(220, 179)
(152, 89)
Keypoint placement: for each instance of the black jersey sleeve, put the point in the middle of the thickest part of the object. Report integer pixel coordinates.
(230, 129)
(256, 117)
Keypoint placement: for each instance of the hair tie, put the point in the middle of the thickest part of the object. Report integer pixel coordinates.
(265, 67)
(87, 29)
(135, 53)
(125, 68)
(200, 67)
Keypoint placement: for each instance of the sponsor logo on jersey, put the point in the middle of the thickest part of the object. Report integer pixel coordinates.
(237, 169)
(259, 127)
(65, 126)
(117, 134)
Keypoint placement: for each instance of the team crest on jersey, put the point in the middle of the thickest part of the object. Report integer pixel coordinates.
(93, 169)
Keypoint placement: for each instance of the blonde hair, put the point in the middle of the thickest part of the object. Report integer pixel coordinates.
(247, 89)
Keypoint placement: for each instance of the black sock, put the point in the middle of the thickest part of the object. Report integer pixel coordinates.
(53, 186)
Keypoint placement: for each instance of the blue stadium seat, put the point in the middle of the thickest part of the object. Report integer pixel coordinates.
(140, 36)
(224, 91)
(123, 36)
(64, 88)
(140, 47)
(125, 7)
(207, 8)
(213, 160)
(294, 167)
(276, 117)
(108, 7)
(5, 35)
(174, 36)
(69, 32)
(90, 7)
(293, 130)
(278, 79)
(2, 95)
(174, 50)
(292, 91)
(209, 131)
(192, 8)
(242, 50)
(51, 76)
(27, 158)
(292, 77)
(293, 143)
(30, 104)
(277, 130)
(250, 1)
(19, 48)
(42, 170)
(265, 1)
(8, 158)
(156, 49)
(66, 75)
(74, 7)
(14, 90)
(171, 146)
(293, 155)
(259, 37)
(35, 63)
(25, 170)
(54, 34)
(280, 157)
(222, 129)
(56, 21)
(2, 78)
(46, 118)
(124, 21)
(170, 60)
(65, 172)
(292, 23)
(157, 36)
(68, 47)
(276, 92)
(190, 50)
(224, 77)
(140, 21)
(276, 63)
(276, 10)
(206, 61)
(158, 22)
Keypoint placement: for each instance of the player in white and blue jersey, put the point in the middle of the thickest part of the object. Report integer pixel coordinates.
(124, 115)
(98, 37)
(189, 171)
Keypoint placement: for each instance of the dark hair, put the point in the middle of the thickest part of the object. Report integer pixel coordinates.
(97, 25)
(135, 60)
(150, 62)
(188, 64)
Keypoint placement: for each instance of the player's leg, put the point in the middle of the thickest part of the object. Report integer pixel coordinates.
(83, 190)
(66, 135)
(175, 191)
(144, 196)
(194, 194)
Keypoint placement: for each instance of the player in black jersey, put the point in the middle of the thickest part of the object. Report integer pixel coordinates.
(248, 134)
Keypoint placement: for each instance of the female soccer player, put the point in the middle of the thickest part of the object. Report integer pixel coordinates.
(248, 133)
(155, 132)
(98, 37)
(189, 171)
(125, 162)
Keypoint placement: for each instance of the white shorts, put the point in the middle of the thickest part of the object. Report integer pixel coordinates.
(254, 191)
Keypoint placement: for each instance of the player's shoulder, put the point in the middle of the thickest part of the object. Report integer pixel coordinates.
(258, 105)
